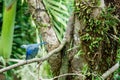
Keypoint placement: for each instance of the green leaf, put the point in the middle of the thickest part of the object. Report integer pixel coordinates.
(7, 30)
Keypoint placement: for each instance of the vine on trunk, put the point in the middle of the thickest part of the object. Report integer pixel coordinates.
(98, 35)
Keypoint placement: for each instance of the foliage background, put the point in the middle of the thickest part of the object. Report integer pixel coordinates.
(25, 33)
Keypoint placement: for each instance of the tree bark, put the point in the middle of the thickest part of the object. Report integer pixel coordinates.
(69, 60)
(40, 16)
(105, 54)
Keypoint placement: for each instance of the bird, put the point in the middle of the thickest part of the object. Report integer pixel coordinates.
(32, 50)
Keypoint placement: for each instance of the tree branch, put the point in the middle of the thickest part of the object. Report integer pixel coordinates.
(16, 60)
(36, 59)
(110, 71)
(65, 39)
(67, 74)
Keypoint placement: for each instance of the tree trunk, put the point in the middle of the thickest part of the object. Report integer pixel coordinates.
(41, 18)
(105, 54)
(77, 52)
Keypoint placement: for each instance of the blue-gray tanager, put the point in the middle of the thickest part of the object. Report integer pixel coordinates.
(32, 50)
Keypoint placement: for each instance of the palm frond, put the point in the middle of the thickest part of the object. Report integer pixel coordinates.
(59, 15)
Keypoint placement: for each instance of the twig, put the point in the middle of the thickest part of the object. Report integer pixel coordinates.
(67, 74)
(110, 71)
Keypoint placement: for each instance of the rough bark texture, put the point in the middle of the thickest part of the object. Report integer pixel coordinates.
(105, 54)
(50, 37)
(76, 63)
(39, 14)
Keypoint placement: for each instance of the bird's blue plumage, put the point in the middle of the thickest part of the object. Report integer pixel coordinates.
(32, 50)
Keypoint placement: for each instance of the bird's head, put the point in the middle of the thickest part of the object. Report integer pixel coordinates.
(24, 46)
